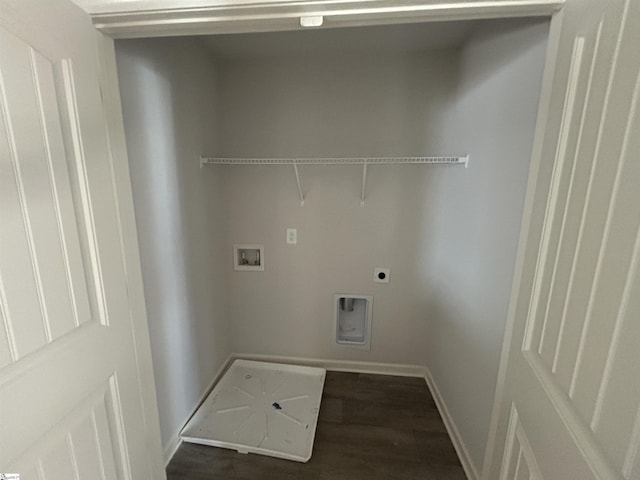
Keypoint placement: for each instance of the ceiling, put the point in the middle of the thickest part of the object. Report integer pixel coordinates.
(399, 38)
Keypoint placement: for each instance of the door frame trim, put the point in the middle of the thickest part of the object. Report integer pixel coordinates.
(143, 19)
(529, 231)
(129, 247)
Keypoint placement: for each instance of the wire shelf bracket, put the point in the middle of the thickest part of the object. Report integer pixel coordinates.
(364, 161)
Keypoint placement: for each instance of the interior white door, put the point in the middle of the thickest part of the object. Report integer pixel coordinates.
(72, 399)
(570, 406)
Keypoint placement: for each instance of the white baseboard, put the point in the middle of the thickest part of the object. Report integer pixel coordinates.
(463, 454)
(171, 447)
(342, 365)
(175, 441)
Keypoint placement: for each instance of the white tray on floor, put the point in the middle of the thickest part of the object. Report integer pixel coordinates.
(259, 407)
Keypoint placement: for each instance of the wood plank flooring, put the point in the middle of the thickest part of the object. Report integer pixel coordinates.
(371, 427)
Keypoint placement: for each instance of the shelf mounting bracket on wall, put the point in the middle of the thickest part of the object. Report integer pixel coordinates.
(300, 194)
(364, 161)
(364, 184)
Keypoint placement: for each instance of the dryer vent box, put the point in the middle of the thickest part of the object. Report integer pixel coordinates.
(353, 320)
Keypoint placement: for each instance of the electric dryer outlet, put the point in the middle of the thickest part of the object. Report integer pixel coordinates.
(381, 274)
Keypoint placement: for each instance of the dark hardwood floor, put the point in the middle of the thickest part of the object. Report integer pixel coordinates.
(370, 427)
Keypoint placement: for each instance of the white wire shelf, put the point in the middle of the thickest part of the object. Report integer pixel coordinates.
(364, 161)
(333, 161)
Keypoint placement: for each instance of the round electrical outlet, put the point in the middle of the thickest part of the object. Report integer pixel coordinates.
(381, 275)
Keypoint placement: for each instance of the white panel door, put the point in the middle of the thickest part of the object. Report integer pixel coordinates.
(571, 402)
(71, 397)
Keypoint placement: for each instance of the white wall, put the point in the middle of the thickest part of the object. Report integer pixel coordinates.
(473, 232)
(381, 104)
(169, 104)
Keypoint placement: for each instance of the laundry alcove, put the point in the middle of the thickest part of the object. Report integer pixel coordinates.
(447, 233)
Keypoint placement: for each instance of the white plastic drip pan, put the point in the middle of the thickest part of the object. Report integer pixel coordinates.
(258, 407)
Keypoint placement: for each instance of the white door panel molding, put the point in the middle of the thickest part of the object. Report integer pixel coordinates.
(568, 363)
(76, 397)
